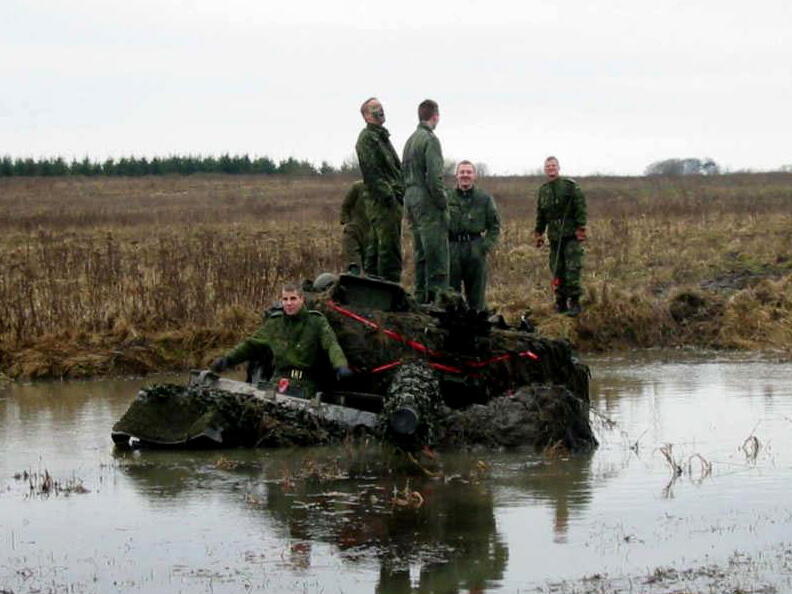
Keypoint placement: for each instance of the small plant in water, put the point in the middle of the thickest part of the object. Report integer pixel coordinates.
(43, 485)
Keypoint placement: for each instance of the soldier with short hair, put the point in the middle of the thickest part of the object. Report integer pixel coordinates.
(474, 228)
(297, 340)
(356, 236)
(561, 210)
(382, 176)
(427, 204)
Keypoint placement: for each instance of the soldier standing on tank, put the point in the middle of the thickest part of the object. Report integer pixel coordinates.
(474, 228)
(382, 176)
(427, 204)
(561, 209)
(356, 239)
(297, 340)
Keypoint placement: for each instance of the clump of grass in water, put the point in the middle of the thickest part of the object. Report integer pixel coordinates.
(42, 484)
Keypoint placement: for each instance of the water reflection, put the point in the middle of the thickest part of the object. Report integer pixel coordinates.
(443, 540)
(345, 519)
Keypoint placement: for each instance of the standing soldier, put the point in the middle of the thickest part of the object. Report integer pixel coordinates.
(356, 239)
(474, 228)
(427, 206)
(381, 170)
(561, 209)
(297, 340)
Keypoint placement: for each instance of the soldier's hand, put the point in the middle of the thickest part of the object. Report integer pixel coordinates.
(219, 365)
(538, 239)
(343, 373)
(580, 234)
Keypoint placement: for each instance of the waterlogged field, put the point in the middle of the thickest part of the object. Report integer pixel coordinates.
(119, 275)
(688, 492)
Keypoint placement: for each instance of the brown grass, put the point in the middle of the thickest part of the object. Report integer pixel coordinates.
(119, 275)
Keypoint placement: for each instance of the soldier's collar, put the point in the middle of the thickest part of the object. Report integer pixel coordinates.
(379, 129)
(468, 192)
(425, 126)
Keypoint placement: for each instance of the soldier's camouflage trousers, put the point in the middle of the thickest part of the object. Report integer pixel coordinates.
(384, 256)
(468, 267)
(429, 227)
(355, 245)
(566, 265)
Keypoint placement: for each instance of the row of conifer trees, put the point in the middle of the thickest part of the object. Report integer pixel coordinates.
(171, 165)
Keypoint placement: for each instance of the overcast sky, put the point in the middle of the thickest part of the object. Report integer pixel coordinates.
(608, 87)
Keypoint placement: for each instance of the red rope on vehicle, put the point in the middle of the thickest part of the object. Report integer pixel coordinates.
(386, 366)
(422, 348)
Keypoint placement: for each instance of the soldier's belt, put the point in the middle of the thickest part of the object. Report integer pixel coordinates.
(463, 236)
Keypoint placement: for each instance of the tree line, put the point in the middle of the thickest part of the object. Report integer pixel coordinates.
(172, 165)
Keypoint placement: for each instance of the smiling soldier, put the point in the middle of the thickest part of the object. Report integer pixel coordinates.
(297, 339)
(474, 228)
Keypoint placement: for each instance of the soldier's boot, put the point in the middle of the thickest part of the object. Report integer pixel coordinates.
(574, 307)
(560, 304)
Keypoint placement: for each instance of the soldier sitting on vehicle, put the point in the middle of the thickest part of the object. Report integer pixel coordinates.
(298, 341)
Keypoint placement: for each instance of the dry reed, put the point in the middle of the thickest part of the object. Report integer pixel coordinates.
(119, 275)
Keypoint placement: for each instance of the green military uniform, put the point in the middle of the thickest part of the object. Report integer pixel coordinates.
(356, 237)
(561, 209)
(381, 171)
(298, 344)
(474, 228)
(427, 211)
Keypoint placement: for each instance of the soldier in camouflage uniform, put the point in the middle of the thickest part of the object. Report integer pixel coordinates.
(561, 209)
(297, 339)
(382, 175)
(427, 205)
(474, 228)
(356, 240)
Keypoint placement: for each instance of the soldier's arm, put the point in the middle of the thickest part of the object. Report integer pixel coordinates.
(541, 219)
(493, 225)
(249, 348)
(434, 173)
(371, 166)
(348, 205)
(579, 202)
(330, 344)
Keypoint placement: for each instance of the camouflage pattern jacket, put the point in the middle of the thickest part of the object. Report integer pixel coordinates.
(560, 208)
(473, 211)
(379, 164)
(423, 165)
(296, 341)
(353, 209)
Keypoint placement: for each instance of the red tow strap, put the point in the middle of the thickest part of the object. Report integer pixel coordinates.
(422, 348)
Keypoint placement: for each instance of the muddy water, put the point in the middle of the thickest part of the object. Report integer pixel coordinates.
(78, 516)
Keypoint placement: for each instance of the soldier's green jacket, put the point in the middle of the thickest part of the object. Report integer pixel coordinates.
(474, 211)
(295, 341)
(560, 208)
(353, 209)
(379, 164)
(423, 165)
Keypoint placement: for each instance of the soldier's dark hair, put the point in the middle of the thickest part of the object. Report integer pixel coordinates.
(427, 109)
(365, 105)
(291, 287)
(552, 158)
(466, 162)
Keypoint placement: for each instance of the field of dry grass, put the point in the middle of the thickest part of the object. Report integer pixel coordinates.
(130, 275)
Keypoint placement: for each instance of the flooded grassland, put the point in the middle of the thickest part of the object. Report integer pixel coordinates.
(687, 492)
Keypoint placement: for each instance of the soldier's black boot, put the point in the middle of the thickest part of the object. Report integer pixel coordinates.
(574, 307)
(560, 304)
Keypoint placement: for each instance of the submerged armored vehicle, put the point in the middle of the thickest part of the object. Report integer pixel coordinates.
(440, 375)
